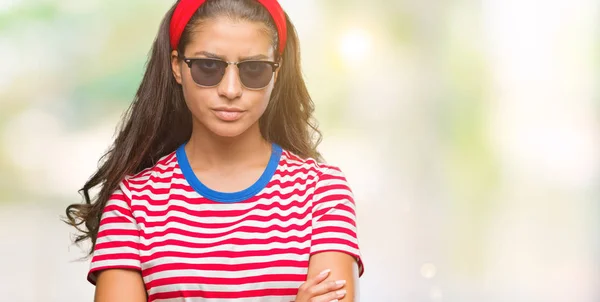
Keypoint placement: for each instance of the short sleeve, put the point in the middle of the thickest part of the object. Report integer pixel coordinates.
(117, 244)
(334, 216)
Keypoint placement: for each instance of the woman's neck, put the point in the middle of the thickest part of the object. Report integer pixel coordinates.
(205, 150)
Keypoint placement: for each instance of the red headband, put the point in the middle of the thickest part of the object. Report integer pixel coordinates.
(186, 8)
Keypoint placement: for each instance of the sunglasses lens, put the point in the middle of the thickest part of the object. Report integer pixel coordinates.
(255, 74)
(208, 72)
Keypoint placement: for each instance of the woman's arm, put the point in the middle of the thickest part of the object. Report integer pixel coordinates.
(343, 267)
(120, 285)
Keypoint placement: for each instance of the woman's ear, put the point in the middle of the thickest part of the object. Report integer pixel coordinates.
(277, 70)
(176, 66)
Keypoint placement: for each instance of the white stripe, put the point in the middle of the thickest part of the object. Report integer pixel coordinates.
(224, 207)
(148, 192)
(285, 223)
(287, 188)
(332, 182)
(112, 238)
(335, 235)
(119, 262)
(230, 247)
(164, 165)
(227, 260)
(116, 250)
(308, 169)
(160, 184)
(337, 191)
(259, 299)
(255, 299)
(332, 206)
(296, 177)
(218, 206)
(228, 274)
(171, 171)
(235, 235)
(127, 226)
(331, 246)
(231, 219)
(226, 288)
(118, 203)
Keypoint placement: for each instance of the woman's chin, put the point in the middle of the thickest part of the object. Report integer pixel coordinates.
(228, 130)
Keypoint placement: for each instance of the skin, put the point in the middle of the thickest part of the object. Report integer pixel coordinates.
(342, 266)
(230, 156)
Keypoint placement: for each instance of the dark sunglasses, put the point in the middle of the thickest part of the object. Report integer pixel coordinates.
(208, 72)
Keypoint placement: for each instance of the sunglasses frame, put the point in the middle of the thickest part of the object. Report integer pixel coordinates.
(190, 61)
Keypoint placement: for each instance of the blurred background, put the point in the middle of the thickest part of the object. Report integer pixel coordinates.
(469, 131)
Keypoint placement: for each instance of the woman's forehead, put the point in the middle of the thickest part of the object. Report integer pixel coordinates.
(231, 39)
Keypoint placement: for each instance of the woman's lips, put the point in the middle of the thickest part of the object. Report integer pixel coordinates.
(228, 114)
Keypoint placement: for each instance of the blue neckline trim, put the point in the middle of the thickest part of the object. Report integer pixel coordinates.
(242, 195)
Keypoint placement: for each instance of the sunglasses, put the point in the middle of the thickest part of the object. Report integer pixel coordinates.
(254, 74)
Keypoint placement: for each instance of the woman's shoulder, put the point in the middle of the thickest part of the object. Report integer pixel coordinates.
(163, 168)
(291, 160)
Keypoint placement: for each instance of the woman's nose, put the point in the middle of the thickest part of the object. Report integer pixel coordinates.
(230, 86)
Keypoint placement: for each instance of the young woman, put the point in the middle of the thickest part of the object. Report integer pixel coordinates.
(213, 190)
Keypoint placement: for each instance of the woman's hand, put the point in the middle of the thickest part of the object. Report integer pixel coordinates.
(315, 290)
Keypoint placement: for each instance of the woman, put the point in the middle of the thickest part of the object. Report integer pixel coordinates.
(213, 189)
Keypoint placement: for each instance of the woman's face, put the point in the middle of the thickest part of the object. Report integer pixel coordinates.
(228, 109)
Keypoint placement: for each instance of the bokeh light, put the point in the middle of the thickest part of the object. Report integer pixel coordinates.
(355, 45)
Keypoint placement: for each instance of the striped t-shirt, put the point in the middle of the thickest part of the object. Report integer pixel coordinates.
(191, 243)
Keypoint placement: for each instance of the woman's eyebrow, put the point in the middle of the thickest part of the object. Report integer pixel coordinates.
(255, 57)
(216, 56)
(209, 55)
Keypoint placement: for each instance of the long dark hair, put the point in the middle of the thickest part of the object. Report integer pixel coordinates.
(158, 121)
